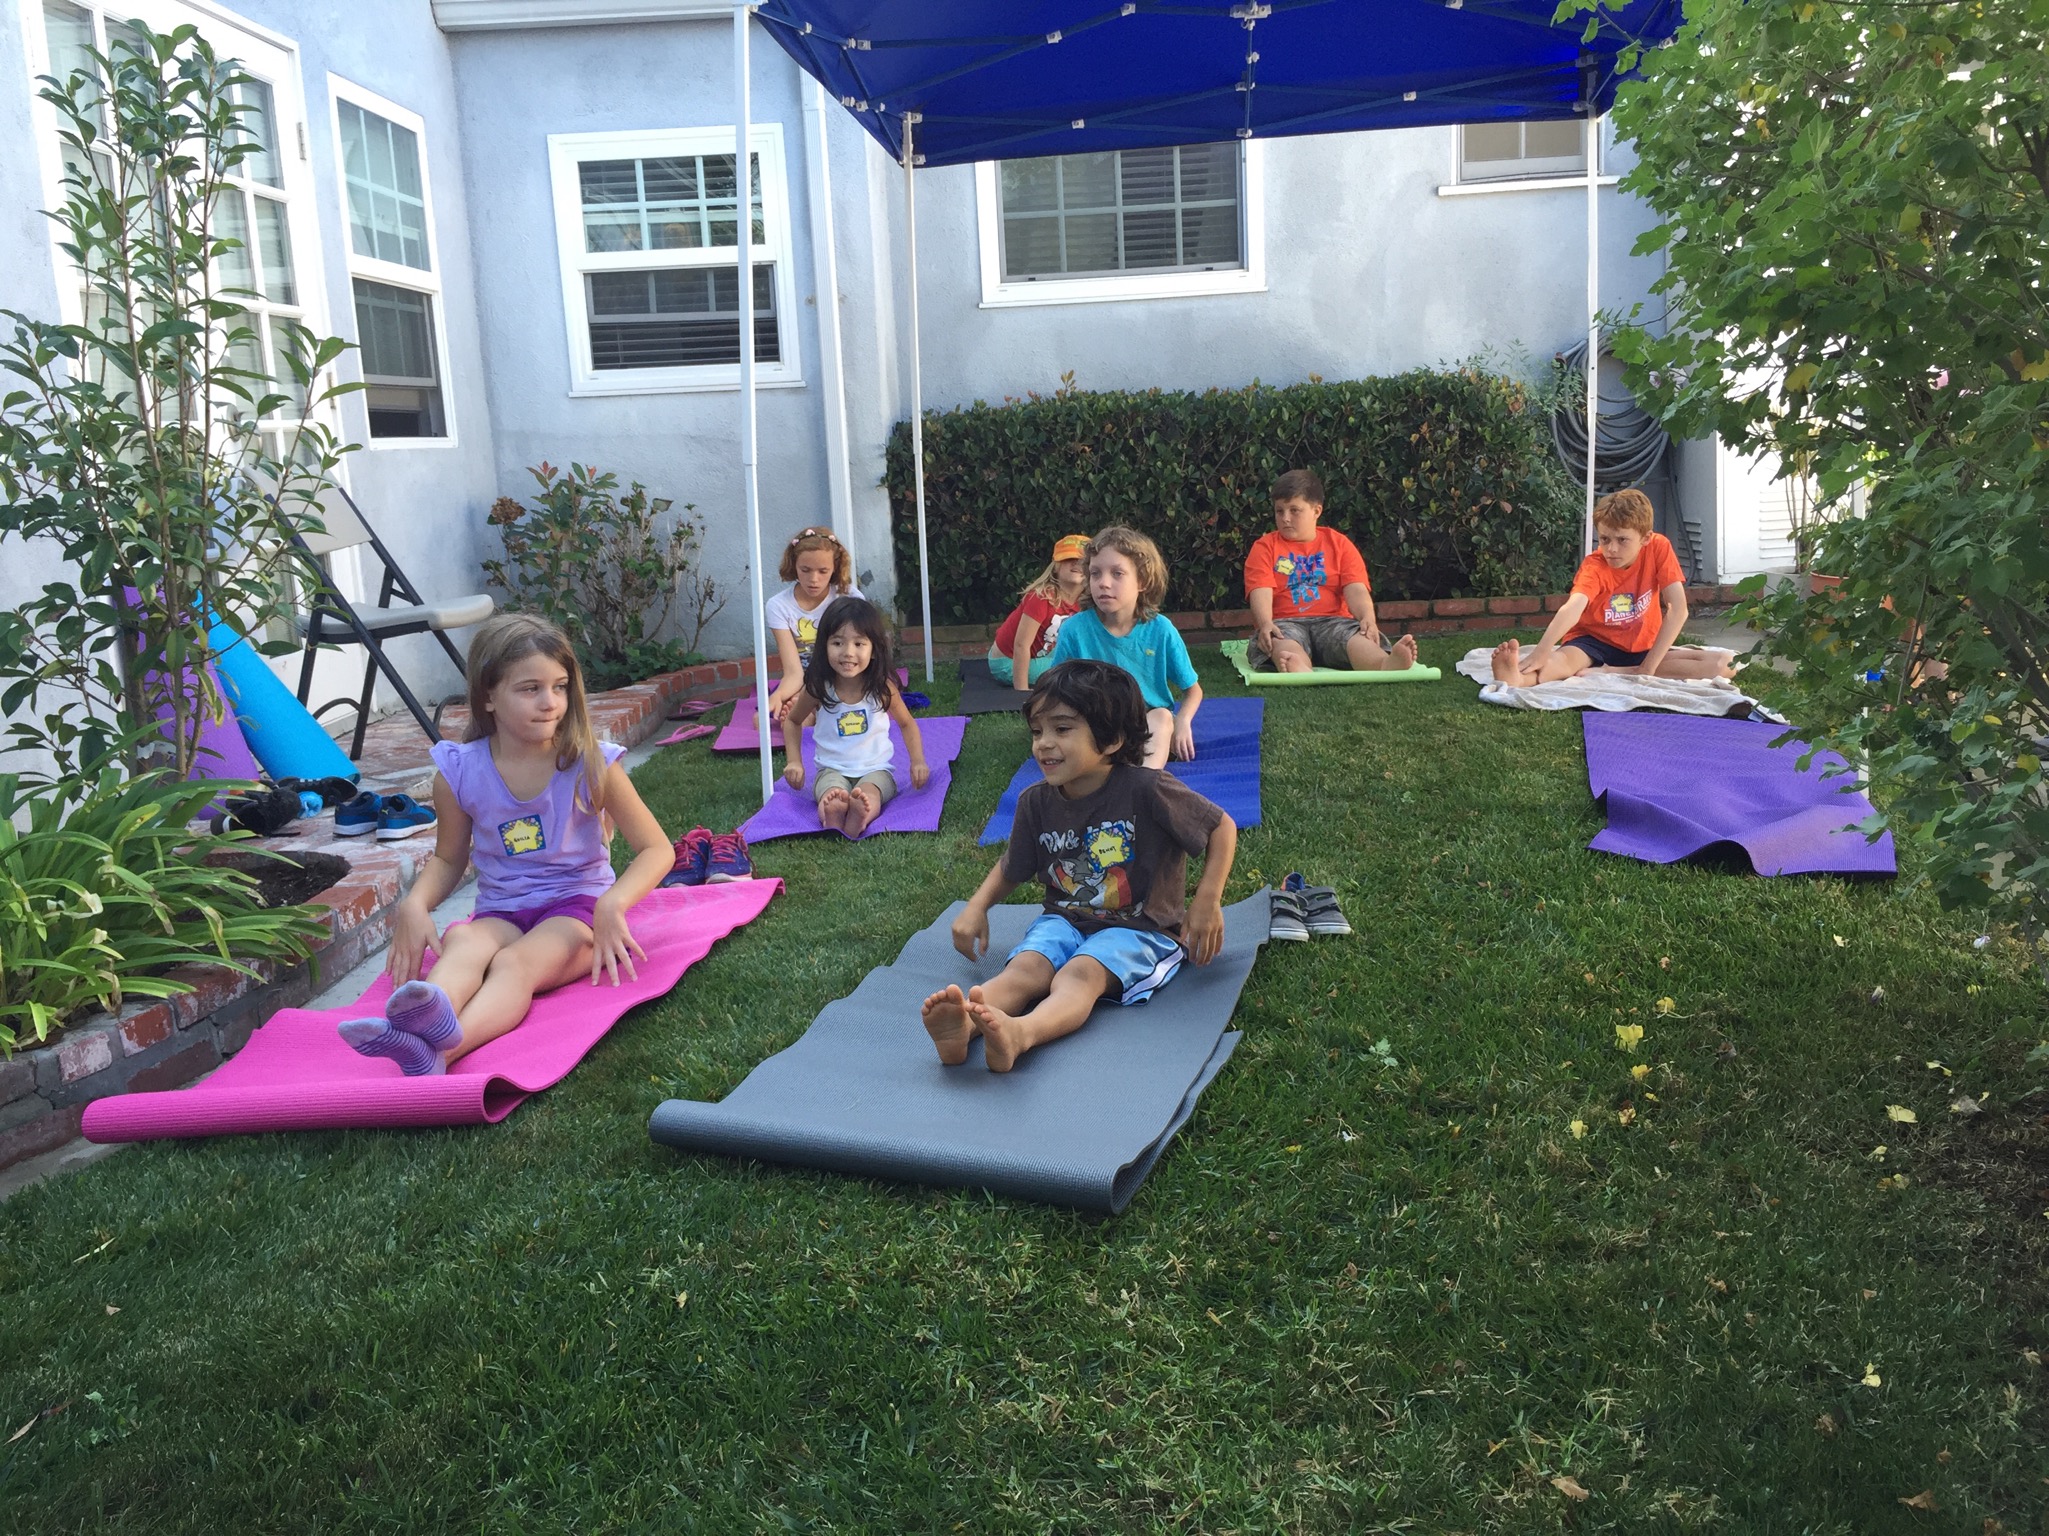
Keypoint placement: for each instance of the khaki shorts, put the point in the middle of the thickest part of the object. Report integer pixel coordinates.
(882, 781)
(1325, 637)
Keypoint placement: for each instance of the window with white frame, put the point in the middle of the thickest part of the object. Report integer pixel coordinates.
(647, 228)
(392, 275)
(1513, 151)
(1114, 224)
(1128, 210)
(257, 207)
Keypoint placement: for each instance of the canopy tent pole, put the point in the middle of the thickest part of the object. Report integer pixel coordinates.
(917, 384)
(832, 353)
(1593, 310)
(743, 191)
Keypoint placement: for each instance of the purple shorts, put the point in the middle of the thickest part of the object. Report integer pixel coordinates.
(527, 919)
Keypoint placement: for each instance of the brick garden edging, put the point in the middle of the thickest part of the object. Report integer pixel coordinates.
(1442, 615)
(156, 1045)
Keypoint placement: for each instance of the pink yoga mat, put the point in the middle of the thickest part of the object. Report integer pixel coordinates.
(742, 735)
(295, 1074)
(794, 812)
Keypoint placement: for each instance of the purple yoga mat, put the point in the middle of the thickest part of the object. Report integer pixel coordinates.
(793, 812)
(220, 751)
(741, 735)
(296, 1074)
(1677, 785)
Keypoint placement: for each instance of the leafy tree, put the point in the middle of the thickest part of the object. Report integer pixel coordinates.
(1854, 205)
(150, 443)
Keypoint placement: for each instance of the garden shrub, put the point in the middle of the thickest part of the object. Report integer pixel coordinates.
(103, 888)
(1445, 480)
(604, 568)
(1857, 295)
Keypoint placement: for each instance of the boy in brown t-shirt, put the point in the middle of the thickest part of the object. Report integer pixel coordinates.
(1110, 839)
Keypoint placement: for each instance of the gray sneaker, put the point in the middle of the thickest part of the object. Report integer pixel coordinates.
(1287, 918)
(1321, 915)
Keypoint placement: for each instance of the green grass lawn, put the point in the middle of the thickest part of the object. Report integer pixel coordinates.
(1369, 1288)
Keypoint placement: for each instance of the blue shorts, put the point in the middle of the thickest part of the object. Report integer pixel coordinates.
(1602, 654)
(1139, 962)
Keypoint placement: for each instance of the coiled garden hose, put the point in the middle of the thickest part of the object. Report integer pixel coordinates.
(1632, 444)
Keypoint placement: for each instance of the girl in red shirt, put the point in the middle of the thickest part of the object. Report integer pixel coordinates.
(1023, 647)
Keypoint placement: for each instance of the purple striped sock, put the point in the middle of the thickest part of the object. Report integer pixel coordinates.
(376, 1037)
(423, 1009)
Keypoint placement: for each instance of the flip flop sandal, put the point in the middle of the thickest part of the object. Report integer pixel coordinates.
(690, 709)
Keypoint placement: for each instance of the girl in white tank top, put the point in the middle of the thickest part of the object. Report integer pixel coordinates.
(850, 698)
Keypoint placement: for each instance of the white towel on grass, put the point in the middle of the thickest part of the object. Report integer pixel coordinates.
(1600, 688)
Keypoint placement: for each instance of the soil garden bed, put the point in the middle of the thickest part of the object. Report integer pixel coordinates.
(283, 879)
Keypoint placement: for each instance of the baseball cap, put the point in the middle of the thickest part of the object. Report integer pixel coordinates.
(1075, 546)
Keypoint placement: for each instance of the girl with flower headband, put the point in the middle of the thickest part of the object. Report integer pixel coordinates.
(818, 569)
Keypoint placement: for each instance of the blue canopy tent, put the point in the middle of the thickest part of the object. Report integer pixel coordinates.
(966, 80)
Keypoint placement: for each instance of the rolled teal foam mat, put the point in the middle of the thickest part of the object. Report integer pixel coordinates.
(1079, 1122)
(1235, 649)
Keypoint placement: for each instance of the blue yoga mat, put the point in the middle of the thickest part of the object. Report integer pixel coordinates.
(1225, 770)
(1079, 1122)
(281, 731)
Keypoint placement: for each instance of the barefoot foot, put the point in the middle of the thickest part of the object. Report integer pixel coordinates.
(949, 1024)
(1002, 1036)
(1404, 653)
(1508, 663)
(832, 809)
(865, 807)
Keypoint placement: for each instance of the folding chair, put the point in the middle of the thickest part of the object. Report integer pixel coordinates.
(331, 619)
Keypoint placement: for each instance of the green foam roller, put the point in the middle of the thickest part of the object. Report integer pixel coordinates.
(1235, 649)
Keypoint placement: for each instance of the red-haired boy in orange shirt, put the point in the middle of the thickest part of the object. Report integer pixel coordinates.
(1627, 606)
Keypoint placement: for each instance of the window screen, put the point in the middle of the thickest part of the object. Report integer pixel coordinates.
(395, 327)
(1497, 151)
(677, 317)
(1132, 210)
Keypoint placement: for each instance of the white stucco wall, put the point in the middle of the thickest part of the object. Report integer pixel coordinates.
(1368, 270)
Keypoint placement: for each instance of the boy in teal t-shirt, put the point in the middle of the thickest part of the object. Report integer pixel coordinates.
(1127, 579)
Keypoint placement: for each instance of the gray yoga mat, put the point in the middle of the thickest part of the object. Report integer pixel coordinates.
(1079, 1122)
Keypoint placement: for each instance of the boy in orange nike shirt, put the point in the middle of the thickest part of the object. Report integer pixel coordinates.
(1311, 602)
(1627, 606)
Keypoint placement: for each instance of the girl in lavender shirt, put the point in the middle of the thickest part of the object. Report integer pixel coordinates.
(530, 796)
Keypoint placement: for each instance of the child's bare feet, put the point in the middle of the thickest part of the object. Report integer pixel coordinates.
(1404, 653)
(832, 809)
(865, 806)
(1002, 1036)
(1508, 663)
(949, 1024)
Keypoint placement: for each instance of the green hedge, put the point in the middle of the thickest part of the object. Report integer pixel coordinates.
(1445, 480)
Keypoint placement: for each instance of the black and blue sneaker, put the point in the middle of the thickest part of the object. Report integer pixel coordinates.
(1319, 908)
(357, 817)
(401, 816)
